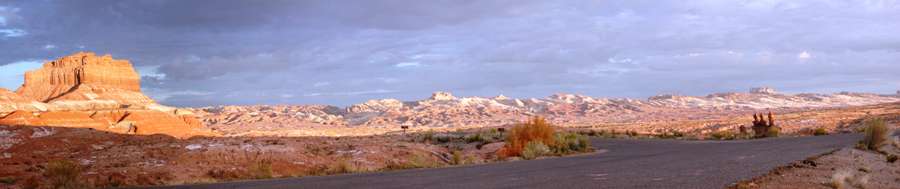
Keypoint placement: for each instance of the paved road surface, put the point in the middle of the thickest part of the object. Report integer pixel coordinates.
(626, 164)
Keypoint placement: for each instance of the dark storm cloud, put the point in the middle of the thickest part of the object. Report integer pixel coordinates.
(340, 52)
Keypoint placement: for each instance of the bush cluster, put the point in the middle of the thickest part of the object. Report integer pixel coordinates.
(536, 129)
(567, 143)
(538, 138)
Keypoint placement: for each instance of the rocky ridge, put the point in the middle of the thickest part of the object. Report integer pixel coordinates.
(90, 91)
(445, 110)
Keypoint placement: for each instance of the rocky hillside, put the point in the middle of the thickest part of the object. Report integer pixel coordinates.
(85, 90)
(445, 110)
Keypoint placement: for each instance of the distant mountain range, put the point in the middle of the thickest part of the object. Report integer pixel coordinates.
(445, 110)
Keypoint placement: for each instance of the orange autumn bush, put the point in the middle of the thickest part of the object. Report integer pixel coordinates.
(536, 129)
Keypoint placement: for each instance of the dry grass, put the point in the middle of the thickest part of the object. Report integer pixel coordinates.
(537, 129)
(846, 179)
(413, 161)
(342, 166)
(63, 174)
(456, 158)
(876, 134)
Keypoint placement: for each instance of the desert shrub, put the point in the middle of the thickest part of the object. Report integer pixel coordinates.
(891, 158)
(723, 135)
(428, 136)
(63, 174)
(475, 138)
(876, 134)
(261, 169)
(537, 129)
(773, 132)
(567, 143)
(589, 132)
(495, 134)
(341, 166)
(820, 131)
(456, 157)
(671, 134)
(535, 149)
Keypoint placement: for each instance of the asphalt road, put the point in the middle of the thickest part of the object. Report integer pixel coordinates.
(625, 164)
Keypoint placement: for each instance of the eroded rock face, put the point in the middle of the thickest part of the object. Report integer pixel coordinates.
(89, 91)
(10, 102)
(85, 77)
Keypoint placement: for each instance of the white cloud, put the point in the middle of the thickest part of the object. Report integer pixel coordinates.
(620, 60)
(353, 93)
(804, 55)
(13, 75)
(388, 79)
(407, 64)
(2, 21)
(13, 32)
(321, 84)
(150, 71)
(162, 95)
(49, 46)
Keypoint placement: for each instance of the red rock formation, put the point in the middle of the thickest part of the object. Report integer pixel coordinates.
(21, 117)
(156, 122)
(84, 90)
(71, 119)
(85, 76)
(10, 102)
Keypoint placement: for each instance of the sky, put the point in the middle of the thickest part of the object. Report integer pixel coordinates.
(205, 52)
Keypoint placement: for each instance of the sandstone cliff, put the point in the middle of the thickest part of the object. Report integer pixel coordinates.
(89, 91)
(101, 81)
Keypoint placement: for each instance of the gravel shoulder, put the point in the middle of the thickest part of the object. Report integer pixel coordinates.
(845, 168)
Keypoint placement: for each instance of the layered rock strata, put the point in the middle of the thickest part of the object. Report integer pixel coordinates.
(89, 91)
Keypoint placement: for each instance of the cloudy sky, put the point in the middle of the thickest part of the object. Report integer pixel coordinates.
(196, 53)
